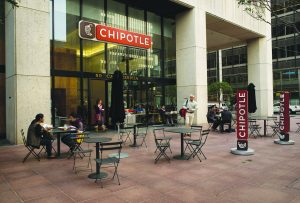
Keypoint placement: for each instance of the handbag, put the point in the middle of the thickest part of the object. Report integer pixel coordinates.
(182, 111)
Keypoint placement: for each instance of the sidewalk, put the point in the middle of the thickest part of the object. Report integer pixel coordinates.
(272, 174)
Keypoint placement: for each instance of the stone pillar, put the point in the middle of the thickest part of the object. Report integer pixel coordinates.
(27, 47)
(191, 60)
(260, 72)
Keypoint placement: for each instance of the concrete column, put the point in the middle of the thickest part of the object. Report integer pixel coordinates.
(27, 47)
(191, 60)
(260, 72)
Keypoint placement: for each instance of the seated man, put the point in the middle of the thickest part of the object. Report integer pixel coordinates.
(226, 117)
(75, 123)
(167, 119)
(211, 115)
(37, 135)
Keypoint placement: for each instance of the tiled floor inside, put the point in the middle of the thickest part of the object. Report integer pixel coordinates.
(272, 174)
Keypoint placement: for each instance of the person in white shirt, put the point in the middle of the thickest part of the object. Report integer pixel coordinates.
(190, 106)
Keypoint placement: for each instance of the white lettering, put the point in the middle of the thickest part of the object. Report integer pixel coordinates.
(101, 32)
(131, 38)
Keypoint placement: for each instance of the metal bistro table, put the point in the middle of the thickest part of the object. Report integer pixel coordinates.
(182, 131)
(58, 132)
(134, 126)
(97, 140)
(265, 119)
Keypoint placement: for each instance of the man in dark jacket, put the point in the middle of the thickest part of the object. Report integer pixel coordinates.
(226, 117)
(37, 135)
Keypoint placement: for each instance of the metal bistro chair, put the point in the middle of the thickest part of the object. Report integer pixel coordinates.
(162, 144)
(30, 148)
(191, 138)
(164, 137)
(196, 145)
(124, 132)
(142, 131)
(105, 162)
(81, 153)
(298, 129)
(254, 128)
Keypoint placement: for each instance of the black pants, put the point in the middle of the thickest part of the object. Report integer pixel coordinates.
(48, 143)
(68, 141)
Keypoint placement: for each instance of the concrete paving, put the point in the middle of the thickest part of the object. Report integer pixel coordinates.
(272, 174)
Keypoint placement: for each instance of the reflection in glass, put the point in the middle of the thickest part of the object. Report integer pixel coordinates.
(170, 48)
(154, 30)
(170, 95)
(66, 40)
(116, 16)
(66, 95)
(137, 61)
(93, 52)
(116, 57)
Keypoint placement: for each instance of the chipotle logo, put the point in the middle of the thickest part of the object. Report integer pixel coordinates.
(97, 32)
(242, 120)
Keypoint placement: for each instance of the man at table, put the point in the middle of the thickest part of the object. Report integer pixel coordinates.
(76, 124)
(226, 117)
(37, 135)
(191, 107)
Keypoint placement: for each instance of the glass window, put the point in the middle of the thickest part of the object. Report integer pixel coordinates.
(154, 59)
(170, 48)
(171, 96)
(66, 95)
(136, 21)
(66, 40)
(137, 62)
(93, 52)
(116, 57)
(116, 15)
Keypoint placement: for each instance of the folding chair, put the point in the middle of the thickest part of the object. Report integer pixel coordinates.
(196, 145)
(254, 128)
(81, 153)
(78, 139)
(164, 137)
(298, 129)
(30, 148)
(191, 138)
(162, 144)
(124, 132)
(142, 132)
(105, 162)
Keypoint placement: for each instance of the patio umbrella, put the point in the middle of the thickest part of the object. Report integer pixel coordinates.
(251, 98)
(117, 112)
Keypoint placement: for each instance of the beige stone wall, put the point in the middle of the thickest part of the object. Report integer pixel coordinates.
(27, 65)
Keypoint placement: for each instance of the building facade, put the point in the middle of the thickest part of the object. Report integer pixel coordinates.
(50, 69)
(285, 54)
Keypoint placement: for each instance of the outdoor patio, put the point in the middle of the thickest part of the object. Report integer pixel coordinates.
(272, 174)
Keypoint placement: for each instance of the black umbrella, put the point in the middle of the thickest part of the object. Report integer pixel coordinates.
(117, 112)
(251, 98)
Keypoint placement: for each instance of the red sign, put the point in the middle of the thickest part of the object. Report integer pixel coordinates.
(242, 115)
(284, 112)
(98, 32)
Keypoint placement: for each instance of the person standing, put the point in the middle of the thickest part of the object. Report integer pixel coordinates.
(190, 106)
(99, 114)
(37, 135)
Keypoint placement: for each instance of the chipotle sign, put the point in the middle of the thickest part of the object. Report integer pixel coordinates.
(242, 119)
(97, 32)
(284, 116)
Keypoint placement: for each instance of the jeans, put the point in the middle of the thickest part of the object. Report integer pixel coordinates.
(48, 143)
(68, 141)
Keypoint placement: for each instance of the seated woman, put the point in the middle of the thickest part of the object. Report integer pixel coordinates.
(75, 123)
(38, 135)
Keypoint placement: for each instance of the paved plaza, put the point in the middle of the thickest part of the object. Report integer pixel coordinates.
(272, 174)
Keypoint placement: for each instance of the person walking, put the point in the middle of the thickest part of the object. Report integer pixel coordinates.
(99, 114)
(190, 106)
